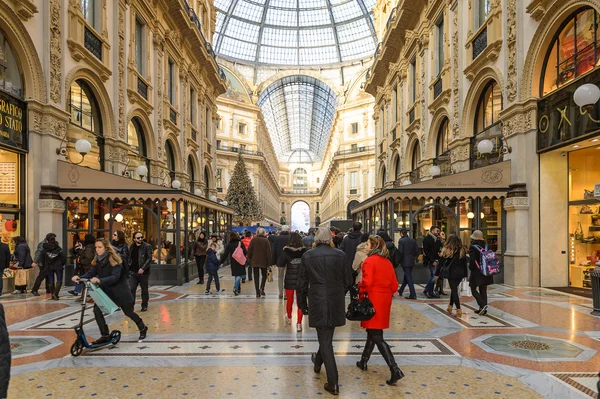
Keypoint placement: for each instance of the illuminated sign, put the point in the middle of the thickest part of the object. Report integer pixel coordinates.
(13, 113)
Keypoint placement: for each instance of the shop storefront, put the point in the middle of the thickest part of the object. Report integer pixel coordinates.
(99, 203)
(459, 204)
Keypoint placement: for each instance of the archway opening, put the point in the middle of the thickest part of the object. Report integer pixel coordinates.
(351, 205)
(300, 216)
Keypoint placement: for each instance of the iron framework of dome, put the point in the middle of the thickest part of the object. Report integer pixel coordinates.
(299, 112)
(294, 33)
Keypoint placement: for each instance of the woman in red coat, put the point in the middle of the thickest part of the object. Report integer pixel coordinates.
(379, 283)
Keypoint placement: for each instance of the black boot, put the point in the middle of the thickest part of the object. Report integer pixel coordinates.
(51, 288)
(366, 355)
(386, 353)
(56, 290)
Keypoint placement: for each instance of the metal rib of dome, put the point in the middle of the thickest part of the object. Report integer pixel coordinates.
(295, 32)
(299, 112)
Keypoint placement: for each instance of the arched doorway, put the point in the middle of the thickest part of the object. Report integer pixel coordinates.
(351, 205)
(300, 216)
(434, 214)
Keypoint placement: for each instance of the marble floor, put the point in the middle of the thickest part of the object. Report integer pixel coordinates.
(533, 343)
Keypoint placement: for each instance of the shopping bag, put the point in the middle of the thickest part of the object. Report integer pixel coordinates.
(465, 289)
(21, 277)
(105, 304)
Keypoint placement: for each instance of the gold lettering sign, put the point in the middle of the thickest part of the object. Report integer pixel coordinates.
(12, 123)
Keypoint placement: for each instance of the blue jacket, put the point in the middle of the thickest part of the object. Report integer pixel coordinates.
(212, 262)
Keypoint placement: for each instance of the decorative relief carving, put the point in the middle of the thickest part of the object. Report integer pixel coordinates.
(459, 154)
(511, 43)
(455, 108)
(55, 52)
(121, 72)
(49, 205)
(53, 126)
(159, 41)
(516, 203)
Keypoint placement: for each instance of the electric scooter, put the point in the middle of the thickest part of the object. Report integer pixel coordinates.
(81, 342)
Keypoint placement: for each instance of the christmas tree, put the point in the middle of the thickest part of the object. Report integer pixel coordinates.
(241, 197)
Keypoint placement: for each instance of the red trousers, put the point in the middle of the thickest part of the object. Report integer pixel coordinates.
(288, 305)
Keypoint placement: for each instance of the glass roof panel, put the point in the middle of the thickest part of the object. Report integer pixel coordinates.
(295, 32)
(299, 113)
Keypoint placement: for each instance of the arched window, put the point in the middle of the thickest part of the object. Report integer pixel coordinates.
(137, 144)
(11, 80)
(86, 123)
(443, 138)
(488, 107)
(383, 177)
(191, 173)
(207, 182)
(416, 156)
(300, 179)
(573, 52)
(397, 167)
(170, 159)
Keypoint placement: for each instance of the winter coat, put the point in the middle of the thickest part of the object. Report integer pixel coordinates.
(359, 258)
(280, 242)
(53, 257)
(5, 356)
(88, 253)
(200, 247)
(113, 281)
(349, 244)
(323, 280)
(246, 241)
(144, 257)
(379, 282)
(37, 256)
(290, 259)
(123, 250)
(22, 255)
(212, 262)
(236, 268)
(431, 249)
(476, 278)
(259, 252)
(393, 254)
(458, 267)
(408, 249)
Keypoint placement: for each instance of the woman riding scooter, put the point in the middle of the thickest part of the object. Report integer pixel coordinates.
(107, 272)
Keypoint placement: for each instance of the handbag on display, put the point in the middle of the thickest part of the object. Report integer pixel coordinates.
(588, 194)
(105, 304)
(586, 210)
(579, 232)
(596, 218)
(360, 310)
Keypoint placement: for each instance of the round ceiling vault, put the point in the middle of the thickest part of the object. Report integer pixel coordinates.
(294, 33)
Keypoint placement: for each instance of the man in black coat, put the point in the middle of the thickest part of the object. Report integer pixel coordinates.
(140, 258)
(4, 356)
(323, 280)
(431, 249)
(280, 242)
(350, 242)
(4, 261)
(407, 247)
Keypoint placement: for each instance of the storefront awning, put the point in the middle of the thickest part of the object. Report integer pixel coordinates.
(489, 181)
(78, 182)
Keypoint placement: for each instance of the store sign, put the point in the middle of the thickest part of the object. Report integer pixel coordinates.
(13, 113)
(561, 121)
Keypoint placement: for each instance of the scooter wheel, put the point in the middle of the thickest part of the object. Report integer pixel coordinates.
(77, 348)
(115, 336)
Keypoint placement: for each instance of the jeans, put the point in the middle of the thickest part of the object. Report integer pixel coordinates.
(78, 288)
(325, 353)
(408, 280)
(41, 277)
(263, 280)
(127, 310)
(213, 274)
(200, 263)
(454, 297)
(57, 273)
(142, 280)
(249, 272)
(289, 303)
(481, 296)
(280, 278)
(429, 286)
(238, 283)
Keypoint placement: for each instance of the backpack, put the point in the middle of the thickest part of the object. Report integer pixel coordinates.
(489, 263)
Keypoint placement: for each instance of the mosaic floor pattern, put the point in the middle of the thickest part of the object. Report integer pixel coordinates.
(533, 343)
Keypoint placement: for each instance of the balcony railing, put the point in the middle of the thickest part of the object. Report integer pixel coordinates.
(392, 17)
(239, 150)
(437, 88)
(142, 88)
(445, 164)
(411, 115)
(194, 135)
(173, 116)
(492, 133)
(415, 176)
(353, 191)
(480, 43)
(92, 43)
(300, 191)
(354, 150)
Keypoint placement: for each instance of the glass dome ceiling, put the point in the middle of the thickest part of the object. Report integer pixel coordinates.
(294, 32)
(299, 112)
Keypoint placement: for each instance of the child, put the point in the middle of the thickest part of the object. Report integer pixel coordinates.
(212, 268)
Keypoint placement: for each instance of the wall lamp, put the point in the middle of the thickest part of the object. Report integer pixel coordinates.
(82, 146)
(486, 147)
(585, 96)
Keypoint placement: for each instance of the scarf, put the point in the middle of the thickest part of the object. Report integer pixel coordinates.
(102, 258)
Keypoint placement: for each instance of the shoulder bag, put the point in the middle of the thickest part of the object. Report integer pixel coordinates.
(579, 232)
(360, 310)
(444, 270)
(238, 255)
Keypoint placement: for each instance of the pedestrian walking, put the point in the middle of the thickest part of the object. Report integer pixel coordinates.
(453, 265)
(350, 243)
(290, 259)
(140, 260)
(199, 249)
(323, 280)
(212, 268)
(107, 272)
(5, 356)
(431, 248)
(477, 281)
(237, 268)
(246, 240)
(86, 253)
(279, 243)
(259, 256)
(22, 255)
(359, 258)
(409, 251)
(54, 260)
(379, 284)
(120, 245)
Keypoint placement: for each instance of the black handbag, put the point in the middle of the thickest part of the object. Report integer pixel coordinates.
(444, 270)
(360, 310)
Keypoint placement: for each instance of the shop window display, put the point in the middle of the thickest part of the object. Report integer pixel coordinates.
(10, 225)
(584, 215)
